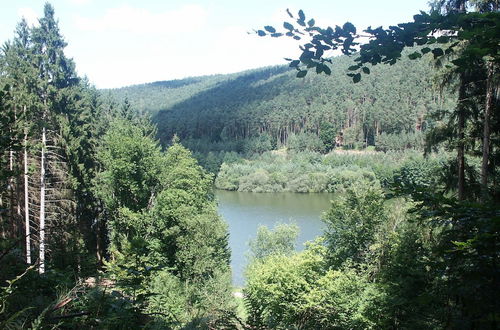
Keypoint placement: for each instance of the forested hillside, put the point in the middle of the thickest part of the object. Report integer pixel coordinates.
(268, 108)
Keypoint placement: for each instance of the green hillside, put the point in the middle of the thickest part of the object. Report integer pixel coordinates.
(268, 108)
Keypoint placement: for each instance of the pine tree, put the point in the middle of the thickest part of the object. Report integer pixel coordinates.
(55, 76)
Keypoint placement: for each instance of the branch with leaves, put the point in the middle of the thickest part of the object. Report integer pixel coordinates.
(440, 34)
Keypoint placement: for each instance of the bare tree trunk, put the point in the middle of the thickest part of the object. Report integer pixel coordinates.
(2, 223)
(461, 138)
(461, 127)
(486, 132)
(98, 244)
(41, 268)
(26, 199)
(11, 193)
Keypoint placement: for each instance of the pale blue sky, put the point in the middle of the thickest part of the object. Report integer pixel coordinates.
(117, 43)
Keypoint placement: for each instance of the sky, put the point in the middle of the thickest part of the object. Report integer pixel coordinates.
(117, 43)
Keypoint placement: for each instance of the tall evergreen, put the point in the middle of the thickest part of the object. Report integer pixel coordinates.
(55, 75)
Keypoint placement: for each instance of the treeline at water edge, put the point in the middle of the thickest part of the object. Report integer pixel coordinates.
(312, 172)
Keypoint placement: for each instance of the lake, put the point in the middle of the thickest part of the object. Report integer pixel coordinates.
(245, 212)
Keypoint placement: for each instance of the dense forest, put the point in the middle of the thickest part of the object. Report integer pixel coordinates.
(85, 183)
(268, 108)
(109, 221)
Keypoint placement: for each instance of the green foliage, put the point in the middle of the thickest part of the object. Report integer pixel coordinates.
(107, 309)
(313, 172)
(168, 301)
(400, 142)
(345, 293)
(275, 288)
(241, 112)
(11, 320)
(466, 254)
(164, 227)
(257, 145)
(418, 174)
(469, 53)
(305, 142)
(387, 267)
(352, 223)
(327, 135)
(132, 164)
(279, 241)
(299, 291)
(130, 268)
(175, 304)
(378, 266)
(107, 181)
(406, 281)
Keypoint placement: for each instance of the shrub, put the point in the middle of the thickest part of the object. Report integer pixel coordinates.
(280, 241)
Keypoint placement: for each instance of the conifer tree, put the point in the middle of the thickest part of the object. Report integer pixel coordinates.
(55, 76)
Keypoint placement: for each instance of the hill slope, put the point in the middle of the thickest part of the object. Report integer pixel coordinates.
(269, 108)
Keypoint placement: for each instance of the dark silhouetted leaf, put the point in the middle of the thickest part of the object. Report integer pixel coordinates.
(349, 28)
(270, 29)
(306, 56)
(356, 78)
(302, 16)
(288, 26)
(366, 70)
(301, 74)
(311, 22)
(261, 33)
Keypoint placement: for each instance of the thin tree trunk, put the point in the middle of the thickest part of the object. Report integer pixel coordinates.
(98, 244)
(486, 132)
(11, 192)
(2, 223)
(41, 268)
(26, 199)
(461, 142)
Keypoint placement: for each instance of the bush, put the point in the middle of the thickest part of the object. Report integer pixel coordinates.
(280, 241)
(298, 291)
(308, 171)
(352, 223)
(276, 288)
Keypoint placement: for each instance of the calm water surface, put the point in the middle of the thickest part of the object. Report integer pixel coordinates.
(245, 212)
